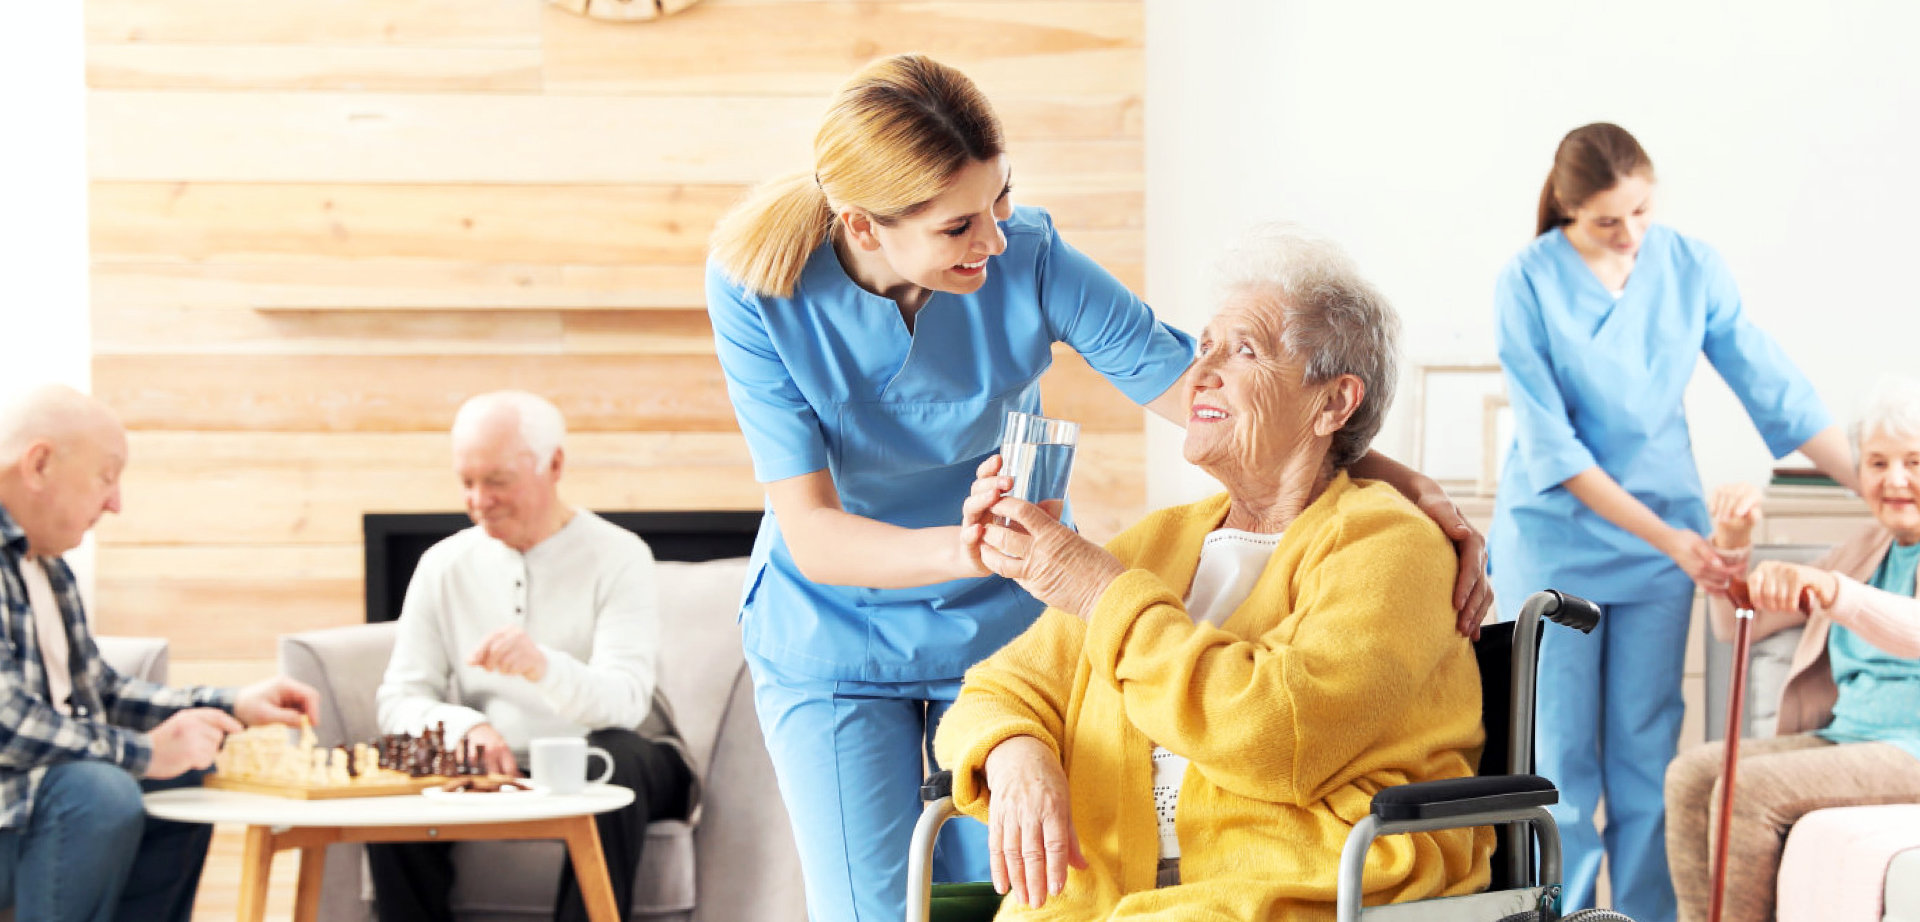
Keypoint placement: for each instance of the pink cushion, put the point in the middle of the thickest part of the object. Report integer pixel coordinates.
(1835, 865)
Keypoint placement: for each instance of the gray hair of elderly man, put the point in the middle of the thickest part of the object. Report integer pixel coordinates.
(1892, 408)
(47, 412)
(541, 425)
(1333, 321)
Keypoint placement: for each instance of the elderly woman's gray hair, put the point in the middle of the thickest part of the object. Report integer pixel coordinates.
(1892, 408)
(1333, 321)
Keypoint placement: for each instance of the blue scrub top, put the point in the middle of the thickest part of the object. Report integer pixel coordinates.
(830, 378)
(1595, 380)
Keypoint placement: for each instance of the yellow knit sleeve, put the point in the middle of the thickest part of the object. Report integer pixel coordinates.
(1022, 690)
(1283, 715)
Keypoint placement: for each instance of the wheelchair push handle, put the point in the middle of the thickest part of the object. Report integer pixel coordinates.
(1561, 608)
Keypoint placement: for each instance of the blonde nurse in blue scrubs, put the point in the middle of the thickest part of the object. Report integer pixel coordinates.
(1601, 322)
(877, 316)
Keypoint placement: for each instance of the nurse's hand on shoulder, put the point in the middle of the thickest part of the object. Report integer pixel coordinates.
(1735, 508)
(1472, 591)
(1049, 560)
(1697, 556)
(1030, 836)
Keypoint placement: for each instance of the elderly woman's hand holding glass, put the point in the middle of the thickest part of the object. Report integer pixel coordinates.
(1212, 698)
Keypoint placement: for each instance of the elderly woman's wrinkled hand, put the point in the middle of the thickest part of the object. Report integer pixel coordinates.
(1030, 834)
(1049, 560)
(1780, 586)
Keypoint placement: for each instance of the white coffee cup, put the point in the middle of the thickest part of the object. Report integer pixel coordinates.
(559, 763)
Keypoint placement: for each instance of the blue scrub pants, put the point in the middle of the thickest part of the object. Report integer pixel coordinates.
(1608, 724)
(850, 757)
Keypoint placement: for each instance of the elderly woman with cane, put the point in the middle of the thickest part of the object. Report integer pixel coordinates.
(1209, 703)
(1849, 728)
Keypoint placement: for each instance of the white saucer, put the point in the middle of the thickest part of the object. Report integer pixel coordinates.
(480, 797)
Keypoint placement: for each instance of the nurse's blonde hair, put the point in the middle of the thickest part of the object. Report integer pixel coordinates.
(893, 140)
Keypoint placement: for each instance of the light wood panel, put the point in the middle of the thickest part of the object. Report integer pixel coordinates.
(419, 393)
(1072, 48)
(392, 69)
(618, 224)
(304, 283)
(460, 23)
(419, 138)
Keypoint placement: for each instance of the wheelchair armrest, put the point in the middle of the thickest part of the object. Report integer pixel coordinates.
(1462, 797)
(938, 785)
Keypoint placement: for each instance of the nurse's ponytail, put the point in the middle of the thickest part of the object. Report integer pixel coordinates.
(1590, 160)
(892, 141)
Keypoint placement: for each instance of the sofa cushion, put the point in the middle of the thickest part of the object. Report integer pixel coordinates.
(700, 640)
(1835, 865)
(1903, 887)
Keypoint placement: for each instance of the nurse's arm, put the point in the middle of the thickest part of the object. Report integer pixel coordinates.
(1604, 495)
(1829, 452)
(837, 548)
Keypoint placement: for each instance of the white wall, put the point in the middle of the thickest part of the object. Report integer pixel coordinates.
(1418, 135)
(43, 190)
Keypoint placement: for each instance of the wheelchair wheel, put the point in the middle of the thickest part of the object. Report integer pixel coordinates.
(1595, 915)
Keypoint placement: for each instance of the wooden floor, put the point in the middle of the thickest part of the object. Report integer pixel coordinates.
(219, 897)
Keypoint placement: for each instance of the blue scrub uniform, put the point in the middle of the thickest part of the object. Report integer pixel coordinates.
(1599, 380)
(850, 682)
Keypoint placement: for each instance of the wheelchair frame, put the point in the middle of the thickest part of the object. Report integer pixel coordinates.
(1515, 801)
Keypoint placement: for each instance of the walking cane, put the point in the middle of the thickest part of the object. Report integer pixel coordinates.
(1736, 704)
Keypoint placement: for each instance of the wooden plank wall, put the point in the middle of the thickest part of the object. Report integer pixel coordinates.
(316, 227)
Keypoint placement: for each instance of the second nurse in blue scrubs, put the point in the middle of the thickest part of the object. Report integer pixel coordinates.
(1601, 322)
(876, 318)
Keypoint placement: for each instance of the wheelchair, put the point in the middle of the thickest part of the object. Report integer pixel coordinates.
(1516, 802)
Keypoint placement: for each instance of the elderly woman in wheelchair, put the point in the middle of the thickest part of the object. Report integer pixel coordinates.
(1209, 705)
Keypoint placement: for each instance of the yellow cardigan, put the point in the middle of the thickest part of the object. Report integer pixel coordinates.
(1340, 675)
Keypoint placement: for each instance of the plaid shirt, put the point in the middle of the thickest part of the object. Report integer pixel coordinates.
(110, 712)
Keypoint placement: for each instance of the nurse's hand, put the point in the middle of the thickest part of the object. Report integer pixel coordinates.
(1049, 560)
(1030, 835)
(1698, 557)
(1735, 508)
(976, 512)
(1472, 591)
(1780, 586)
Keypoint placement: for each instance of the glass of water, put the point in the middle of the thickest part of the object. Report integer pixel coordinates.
(1037, 452)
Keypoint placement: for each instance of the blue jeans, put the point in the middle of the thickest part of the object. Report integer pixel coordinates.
(90, 854)
(849, 756)
(1609, 722)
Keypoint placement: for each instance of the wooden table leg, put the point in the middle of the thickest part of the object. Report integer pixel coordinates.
(313, 869)
(590, 869)
(256, 866)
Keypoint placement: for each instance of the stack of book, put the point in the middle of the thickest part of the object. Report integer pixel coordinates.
(1803, 481)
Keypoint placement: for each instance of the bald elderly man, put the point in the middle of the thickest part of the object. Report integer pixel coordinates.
(544, 617)
(79, 741)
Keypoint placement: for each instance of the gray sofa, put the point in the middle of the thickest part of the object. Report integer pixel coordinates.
(142, 657)
(736, 862)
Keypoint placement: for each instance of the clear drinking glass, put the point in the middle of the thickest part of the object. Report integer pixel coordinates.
(1037, 452)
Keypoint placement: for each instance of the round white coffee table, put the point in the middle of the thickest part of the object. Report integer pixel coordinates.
(278, 823)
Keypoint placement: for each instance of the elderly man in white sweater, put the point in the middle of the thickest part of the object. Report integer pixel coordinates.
(544, 618)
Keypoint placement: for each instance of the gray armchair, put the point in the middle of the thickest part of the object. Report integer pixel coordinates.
(735, 862)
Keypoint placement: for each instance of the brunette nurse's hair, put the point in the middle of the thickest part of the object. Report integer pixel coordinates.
(1591, 159)
(892, 141)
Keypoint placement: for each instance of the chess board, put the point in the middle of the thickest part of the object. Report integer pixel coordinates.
(271, 760)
